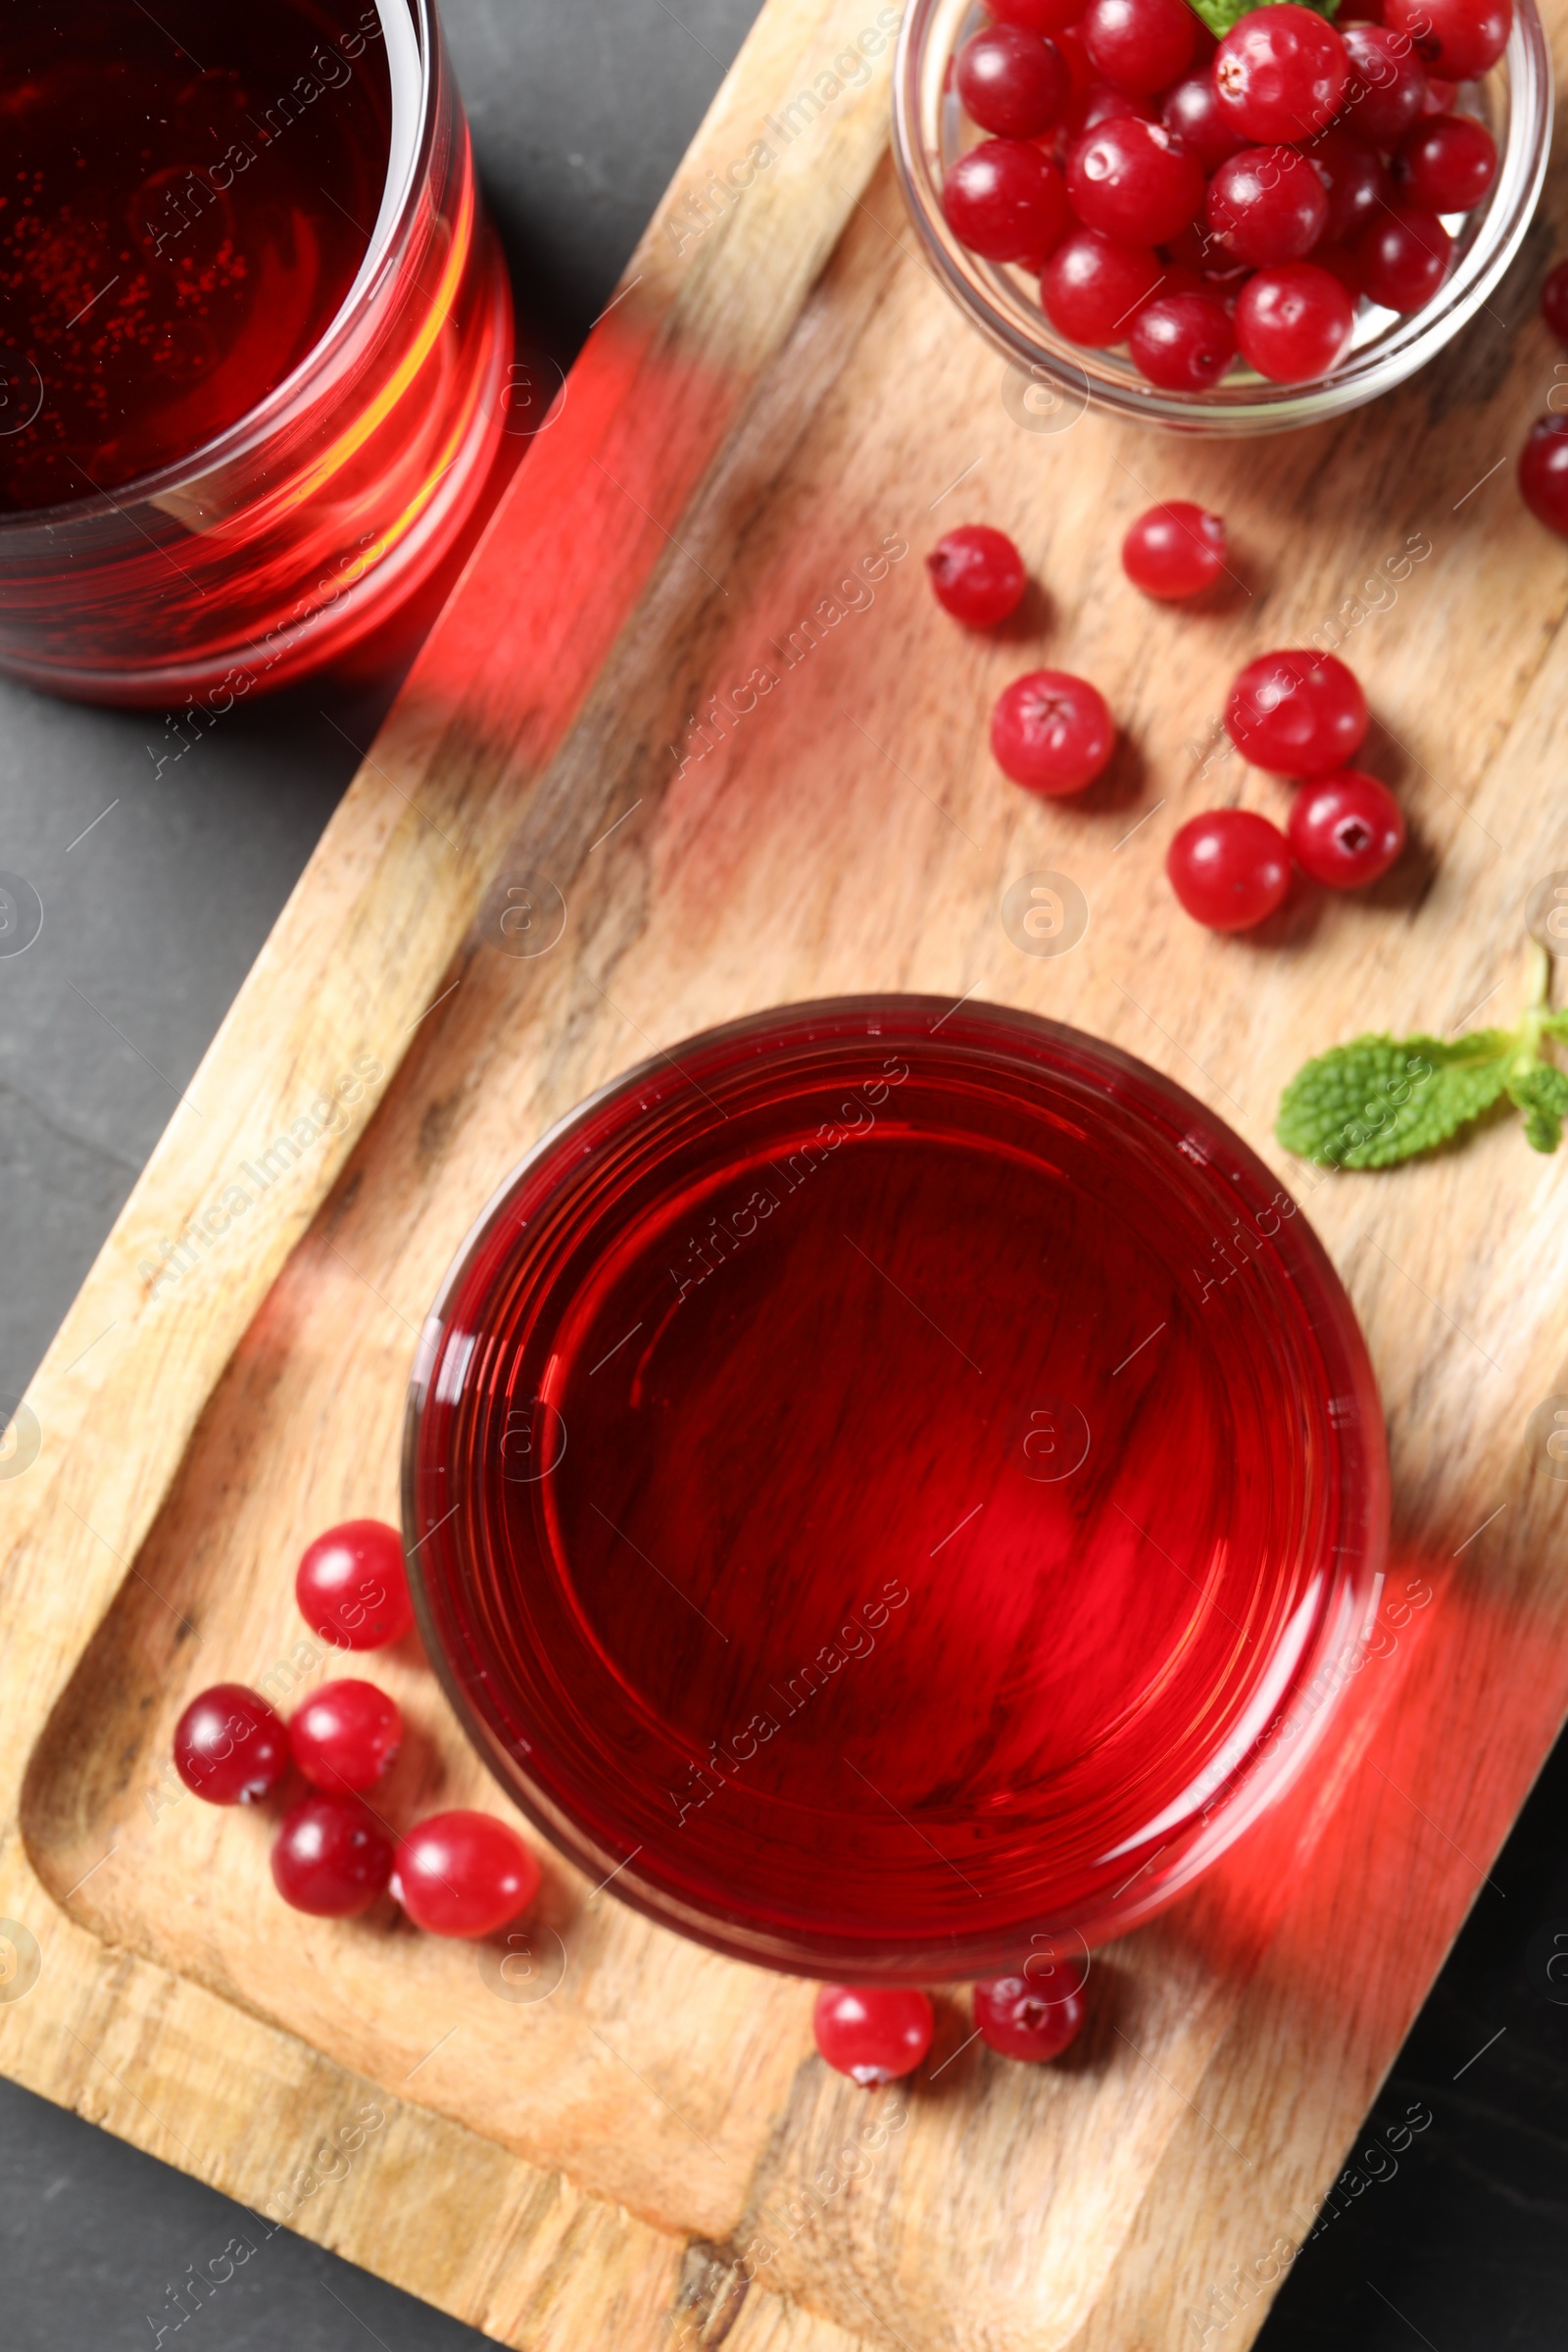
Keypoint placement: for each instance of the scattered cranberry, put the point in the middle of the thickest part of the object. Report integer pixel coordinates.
(978, 574)
(352, 1585)
(345, 1734)
(1347, 829)
(1281, 72)
(872, 2032)
(1051, 732)
(1174, 550)
(1229, 869)
(230, 1747)
(1404, 258)
(1294, 324)
(1543, 472)
(1183, 342)
(332, 1857)
(1091, 285)
(1013, 2019)
(1192, 111)
(1461, 39)
(1355, 179)
(1387, 84)
(1267, 204)
(1013, 81)
(1141, 45)
(1297, 713)
(1446, 164)
(1133, 180)
(463, 1874)
(1554, 301)
(1005, 200)
(1048, 17)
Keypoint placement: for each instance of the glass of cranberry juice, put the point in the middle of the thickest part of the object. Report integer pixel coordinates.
(254, 339)
(895, 1485)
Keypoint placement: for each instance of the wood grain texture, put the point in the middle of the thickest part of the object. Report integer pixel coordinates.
(792, 399)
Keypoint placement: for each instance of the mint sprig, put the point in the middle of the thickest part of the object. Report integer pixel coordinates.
(1380, 1100)
(1220, 15)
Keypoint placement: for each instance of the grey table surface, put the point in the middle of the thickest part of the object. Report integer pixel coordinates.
(159, 890)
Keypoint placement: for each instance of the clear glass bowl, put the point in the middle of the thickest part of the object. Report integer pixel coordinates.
(1058, 379)
(893, 1489)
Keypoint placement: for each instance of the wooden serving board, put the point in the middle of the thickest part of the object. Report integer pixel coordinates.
(624, 721)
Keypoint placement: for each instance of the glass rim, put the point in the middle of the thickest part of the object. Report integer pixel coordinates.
(1316, 1295)
(1086, 378)
(249, 432)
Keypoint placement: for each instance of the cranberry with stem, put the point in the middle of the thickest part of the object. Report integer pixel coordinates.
(1297, 713)
(1346, 830)
(1229, 868)
(977, 574)
(1051, 732)
(353, 1588)
(1093, 284)
(1174, 550)
(1011, 2019)
(230, 1747)
(1281, 72)
(332, 1857)
(1267, 205)
(463, 1874)
(1294, 324)
(1134, 180)
(1012, 81)
(1004, 200)
(872, 2032)
(345, 1736)
(1183, 342)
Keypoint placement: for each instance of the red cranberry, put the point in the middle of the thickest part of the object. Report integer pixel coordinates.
(1051, 732)
(1543, 472)
(1229, 869)
(1387, 84)
(352, 1585)
(345, 1734)
(1174, 550)
(1005, 200)
(463, 1874)
(1011, 2019)
(1404, 258)
(1183, 342)
(1340, 262)
(1013, 81)
(1554, 301)
(1297, 713)
(872, 2032)
(1355, 181)
(332, 1857)
(1144, 45)
(1133, 180)
(230, 1747)
(1294, 324)
(1457, 39)
(1048, 17)
(1446, 164)
(1281, 72)
(1075, 56)
(1267, 204)
(1091, 285)
(1192, 111)
(1347, 829)
(978, 574)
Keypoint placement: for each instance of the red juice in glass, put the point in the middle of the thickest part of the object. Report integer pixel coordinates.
(899, 1475)
(252, 337)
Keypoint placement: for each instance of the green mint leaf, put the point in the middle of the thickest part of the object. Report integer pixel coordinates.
(1381, 1099)
(1541, 1094)
(1220, 15)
